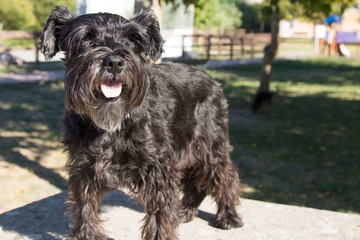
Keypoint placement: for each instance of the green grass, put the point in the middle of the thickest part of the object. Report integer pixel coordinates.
(306, 151)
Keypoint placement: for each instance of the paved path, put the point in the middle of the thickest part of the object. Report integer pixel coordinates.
(31, 77)
(123, 219)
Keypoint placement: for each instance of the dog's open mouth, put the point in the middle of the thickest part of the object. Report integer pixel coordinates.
(111, 91)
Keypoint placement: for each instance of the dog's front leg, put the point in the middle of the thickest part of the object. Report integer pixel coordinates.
(162, 207)
(85, 201)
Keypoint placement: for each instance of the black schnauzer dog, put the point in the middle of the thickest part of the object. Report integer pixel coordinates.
(147, 128)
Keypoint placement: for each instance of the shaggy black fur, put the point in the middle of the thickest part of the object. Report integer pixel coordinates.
(168, 127)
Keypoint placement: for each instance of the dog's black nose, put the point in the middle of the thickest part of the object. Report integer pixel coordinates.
(113, 64)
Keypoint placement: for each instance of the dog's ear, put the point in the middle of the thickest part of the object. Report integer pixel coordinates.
(147, 20)
(54, 30)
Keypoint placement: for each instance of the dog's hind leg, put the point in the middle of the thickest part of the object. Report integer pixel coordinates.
(225, 192)
(214, 175)
(226, 216)
(191, 200)
(221, 180)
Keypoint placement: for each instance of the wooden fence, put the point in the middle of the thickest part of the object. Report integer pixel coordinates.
(204, 45)
(23, 35)
(207, 46)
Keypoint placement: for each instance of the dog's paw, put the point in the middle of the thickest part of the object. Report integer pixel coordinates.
(228, 222)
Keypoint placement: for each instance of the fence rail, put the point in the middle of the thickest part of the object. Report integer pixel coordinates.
(203, 45)
(225, 45)
(4, 35)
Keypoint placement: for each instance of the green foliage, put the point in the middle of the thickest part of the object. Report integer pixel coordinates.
(252, 16)
(205, 11)
(216, 14)
(42, 9)
(29, 15)
(186, 2)
(313, 10)
(259, 13)
(17, 15)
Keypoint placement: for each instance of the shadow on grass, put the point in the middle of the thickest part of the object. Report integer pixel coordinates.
(321, 71)
(29, 114)
(306, 150)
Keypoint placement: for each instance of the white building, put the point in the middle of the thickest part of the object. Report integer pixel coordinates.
(174, 23)
(125, 8)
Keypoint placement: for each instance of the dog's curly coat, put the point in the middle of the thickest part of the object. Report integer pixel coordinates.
(147, 128)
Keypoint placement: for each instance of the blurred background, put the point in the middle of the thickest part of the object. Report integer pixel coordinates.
(299, 145)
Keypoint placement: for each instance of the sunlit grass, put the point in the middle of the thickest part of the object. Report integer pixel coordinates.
(334, 81)
(344, 91)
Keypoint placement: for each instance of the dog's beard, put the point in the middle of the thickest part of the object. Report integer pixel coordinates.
(108, 116)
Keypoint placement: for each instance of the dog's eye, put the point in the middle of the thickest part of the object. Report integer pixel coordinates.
(89, 36)
(135, 37)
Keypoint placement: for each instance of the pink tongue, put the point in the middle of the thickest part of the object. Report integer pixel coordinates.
(111, 91)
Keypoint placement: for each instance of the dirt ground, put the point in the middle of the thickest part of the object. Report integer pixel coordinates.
(21, 186)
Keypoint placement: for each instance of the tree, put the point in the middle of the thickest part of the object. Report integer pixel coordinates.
(216, 14)
(29, 15)
(253, 20)
(230, 16)
(42, 9)
(17, 15)
(308, 8)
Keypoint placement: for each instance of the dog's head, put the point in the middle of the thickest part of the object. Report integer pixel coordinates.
(104, 60)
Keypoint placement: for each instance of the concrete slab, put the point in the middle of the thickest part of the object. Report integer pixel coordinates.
(45, 219)
(28, 55)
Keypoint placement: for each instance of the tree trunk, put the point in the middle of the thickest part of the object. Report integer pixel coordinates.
(263, 94)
